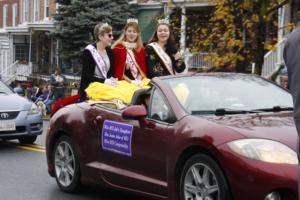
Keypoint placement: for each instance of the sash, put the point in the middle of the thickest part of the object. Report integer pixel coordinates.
(98, 60)
(135, 69)
(165, 58)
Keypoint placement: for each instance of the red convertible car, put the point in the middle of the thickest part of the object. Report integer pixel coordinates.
(215, 136)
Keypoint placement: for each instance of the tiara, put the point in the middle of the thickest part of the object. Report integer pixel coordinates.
(132, 20)
(104, 25)
(163, 21)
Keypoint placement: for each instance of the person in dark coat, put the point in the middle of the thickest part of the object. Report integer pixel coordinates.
(98, 60)
(162, 56)
(58, 83)
(291, 55)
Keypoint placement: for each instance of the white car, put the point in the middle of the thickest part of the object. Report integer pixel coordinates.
(19, 118)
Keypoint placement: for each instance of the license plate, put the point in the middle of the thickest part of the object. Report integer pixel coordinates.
(7, 126)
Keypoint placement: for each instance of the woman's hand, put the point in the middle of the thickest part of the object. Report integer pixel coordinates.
(111, 81)
(178, 56)
(137, 82)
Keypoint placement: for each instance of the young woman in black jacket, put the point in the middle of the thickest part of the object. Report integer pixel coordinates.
(162, 56)
(98, 60)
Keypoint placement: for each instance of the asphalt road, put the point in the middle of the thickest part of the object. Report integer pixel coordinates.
(24, 176)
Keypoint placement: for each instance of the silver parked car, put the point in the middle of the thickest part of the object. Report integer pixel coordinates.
(19, 118)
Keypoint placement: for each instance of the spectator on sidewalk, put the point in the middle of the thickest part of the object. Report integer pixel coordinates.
(292, 61)
(58, 83)
(29, 91)
(49, 100)
(12, 84)
(44, 95)
(18, 89)
(37, 90)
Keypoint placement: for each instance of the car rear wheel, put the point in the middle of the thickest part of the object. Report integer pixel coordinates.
(202, 179)
(27, 140)
(66, 165)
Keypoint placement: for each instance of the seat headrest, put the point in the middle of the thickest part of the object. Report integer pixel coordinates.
(139, 95)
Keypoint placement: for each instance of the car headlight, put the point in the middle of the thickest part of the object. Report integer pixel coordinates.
(264, 150)
(33, 110)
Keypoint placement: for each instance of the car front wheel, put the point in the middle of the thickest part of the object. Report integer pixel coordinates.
(66, 165)
(202, 178)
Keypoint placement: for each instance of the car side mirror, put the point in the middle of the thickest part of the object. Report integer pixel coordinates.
(137, 112)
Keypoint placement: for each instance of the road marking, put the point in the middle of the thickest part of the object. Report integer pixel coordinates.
(31, 147)
(36, 146)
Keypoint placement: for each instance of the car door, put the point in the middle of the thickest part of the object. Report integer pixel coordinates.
(139, 163)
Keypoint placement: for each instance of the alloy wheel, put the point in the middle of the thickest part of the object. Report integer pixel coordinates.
(200, 183)
(64, 162)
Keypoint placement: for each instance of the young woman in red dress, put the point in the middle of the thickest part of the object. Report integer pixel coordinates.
(129, 54)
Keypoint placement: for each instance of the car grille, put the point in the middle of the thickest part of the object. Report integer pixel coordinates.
(8, 115)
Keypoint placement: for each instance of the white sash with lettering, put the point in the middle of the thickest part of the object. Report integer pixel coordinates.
(165, 58)
(134, 66)
(98, 60)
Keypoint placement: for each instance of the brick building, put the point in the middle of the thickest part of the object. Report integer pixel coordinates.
(25, 43)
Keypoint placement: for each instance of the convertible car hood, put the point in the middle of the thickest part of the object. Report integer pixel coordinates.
(13, 102)
(274, 126)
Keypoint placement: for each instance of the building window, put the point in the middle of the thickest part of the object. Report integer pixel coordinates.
(5, 15)
(15, 14)
(36, 10)
(46, 8)
(22, 53)
(25, 10)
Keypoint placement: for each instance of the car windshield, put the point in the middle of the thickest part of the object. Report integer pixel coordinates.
(229, 94)
(4, 89)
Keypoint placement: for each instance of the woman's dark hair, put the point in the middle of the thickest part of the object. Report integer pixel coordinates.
(170, 46)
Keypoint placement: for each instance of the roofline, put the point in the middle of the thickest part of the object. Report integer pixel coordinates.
(25, 27)
(189, 3)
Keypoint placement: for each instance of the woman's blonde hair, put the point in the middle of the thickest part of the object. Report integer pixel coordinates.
(139, 42)
(101, 29)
